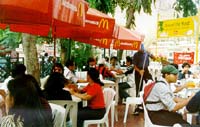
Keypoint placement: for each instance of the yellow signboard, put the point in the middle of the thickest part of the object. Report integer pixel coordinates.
(175, 28)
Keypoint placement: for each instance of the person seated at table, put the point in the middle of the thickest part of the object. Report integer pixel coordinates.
(93, 93)
(185, 72)
(57, 67)
(104, 71)
(161, 102)
(91, 63)
(17, 70)
(53, 89)
(106, 61)
(123, 86)
(24, 106)
(114, 65)
(177, 87)
(69, 73)
(194, 105)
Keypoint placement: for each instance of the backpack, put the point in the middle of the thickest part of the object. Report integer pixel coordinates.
(148, 88)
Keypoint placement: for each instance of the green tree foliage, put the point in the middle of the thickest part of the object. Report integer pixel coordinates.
(9, 40)
(80, 53)
(187, 7)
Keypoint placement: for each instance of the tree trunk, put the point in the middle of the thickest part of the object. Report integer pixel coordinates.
(65, 50)
(31, 56)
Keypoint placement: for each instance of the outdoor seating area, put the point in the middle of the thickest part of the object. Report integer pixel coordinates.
(96, 63)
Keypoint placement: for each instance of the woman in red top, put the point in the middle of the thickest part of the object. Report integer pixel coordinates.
(93, 93)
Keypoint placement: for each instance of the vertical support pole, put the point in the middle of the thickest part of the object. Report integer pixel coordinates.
(197, 37)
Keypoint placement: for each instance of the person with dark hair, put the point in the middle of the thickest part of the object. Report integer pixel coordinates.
(53, 89)
(93, 93)
(114, 65)
(185, 72)
(91, 63)
(57, 67)
(18, 70)
(162, 102)
(130, 79)
(69, 72)
(24, 105)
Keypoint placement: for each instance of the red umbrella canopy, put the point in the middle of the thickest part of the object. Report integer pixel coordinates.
(126, 39)
(97, 25)
(122, 38)
(37, 16)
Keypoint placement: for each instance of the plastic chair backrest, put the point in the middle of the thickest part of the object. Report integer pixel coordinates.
(70, 107)
(109, 94)
(58, 113)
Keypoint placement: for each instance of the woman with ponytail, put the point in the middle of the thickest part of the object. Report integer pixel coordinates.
(93, 93)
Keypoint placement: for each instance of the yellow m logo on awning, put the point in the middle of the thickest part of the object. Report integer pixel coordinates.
(103, 24)
(80, 9)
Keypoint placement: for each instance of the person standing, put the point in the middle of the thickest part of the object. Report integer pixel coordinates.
(141, 63)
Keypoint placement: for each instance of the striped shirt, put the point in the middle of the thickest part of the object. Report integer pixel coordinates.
(8, 121)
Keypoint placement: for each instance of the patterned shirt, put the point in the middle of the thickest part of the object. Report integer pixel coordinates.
(8, 121)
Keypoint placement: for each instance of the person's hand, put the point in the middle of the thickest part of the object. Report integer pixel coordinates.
(72, 92)
(72, 86)
(141, 72)
(3, 94)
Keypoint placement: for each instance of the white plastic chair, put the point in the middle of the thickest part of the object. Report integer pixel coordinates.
(58, 113)
(71, 107)
(109, 94)
(134, 100)
(147, 120)
(131, 100)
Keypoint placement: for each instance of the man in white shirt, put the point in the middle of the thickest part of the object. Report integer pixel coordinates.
(69, 72)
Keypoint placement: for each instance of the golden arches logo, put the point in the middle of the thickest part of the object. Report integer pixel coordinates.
(104, 24)
(135, 45)
(117, 43)
(80, 9)
(104, 41)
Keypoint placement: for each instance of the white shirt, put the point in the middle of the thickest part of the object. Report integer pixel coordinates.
(70, 75)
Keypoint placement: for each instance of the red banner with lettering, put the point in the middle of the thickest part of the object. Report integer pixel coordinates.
(180, 58)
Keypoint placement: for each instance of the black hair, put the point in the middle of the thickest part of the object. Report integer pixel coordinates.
(69, 63)
(185, 64)
(57, 65)
(18, 70)
(91, 59)
(27, 104)
(128, 59)
(94, 75)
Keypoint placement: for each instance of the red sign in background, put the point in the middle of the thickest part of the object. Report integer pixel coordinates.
(180, 58)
